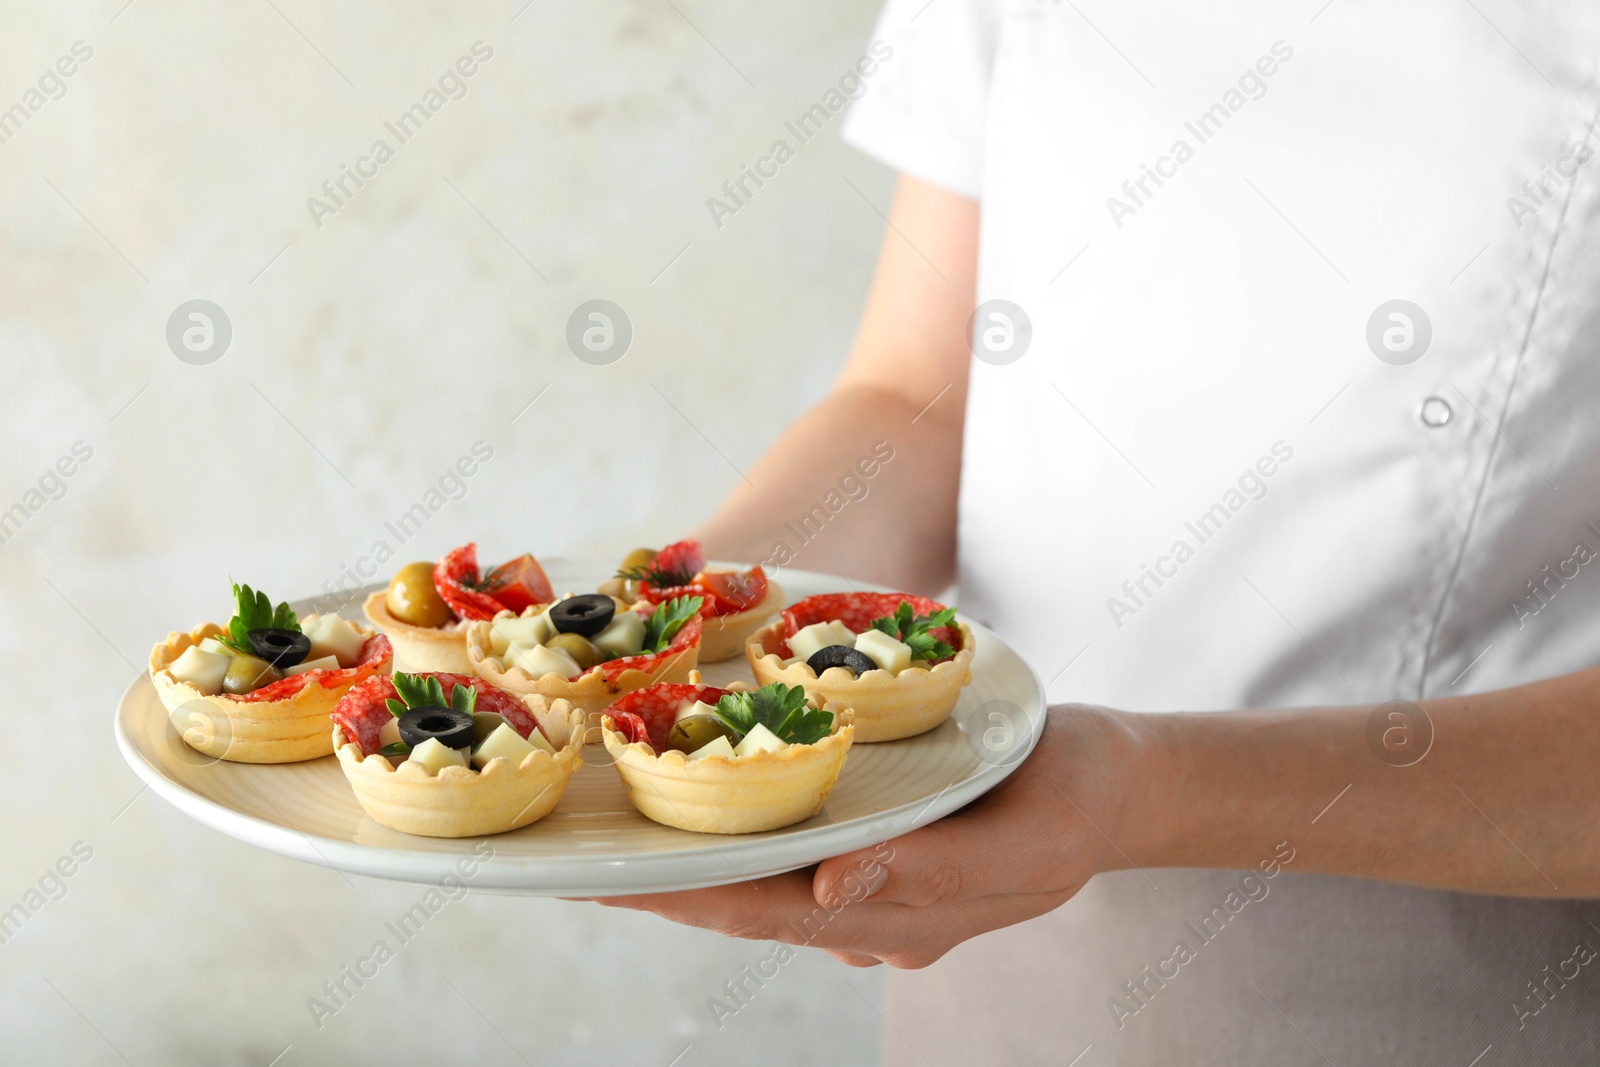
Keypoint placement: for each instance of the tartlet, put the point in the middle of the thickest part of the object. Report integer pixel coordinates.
(282, 720)
(888, 706)
(765, 790)
(441, 599)
(457, 801)
(734, 603)
(595, 688)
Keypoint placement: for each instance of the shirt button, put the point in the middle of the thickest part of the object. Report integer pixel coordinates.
(1435, 412)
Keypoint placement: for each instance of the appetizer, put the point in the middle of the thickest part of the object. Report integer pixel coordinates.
(259, 689)
(726, 761)
(427, 607)
(733, 603)
(899, 661)
(446, 755)
(587, 649)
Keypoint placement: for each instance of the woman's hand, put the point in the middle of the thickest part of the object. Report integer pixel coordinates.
(1019, 851)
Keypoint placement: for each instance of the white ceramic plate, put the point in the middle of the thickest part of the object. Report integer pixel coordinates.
(594, 843)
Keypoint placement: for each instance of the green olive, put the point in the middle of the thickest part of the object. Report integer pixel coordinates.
(414, 599)
(246, 674)
(584, 654)
(633, 563)
(694, 732)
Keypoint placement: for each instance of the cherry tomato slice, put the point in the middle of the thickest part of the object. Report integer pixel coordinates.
(519, 583)
(730, 592)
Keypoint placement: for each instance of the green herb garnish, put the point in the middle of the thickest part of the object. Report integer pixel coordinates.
(781, 709)
(665, 622)
(395, 748)
(253, 610)
(417, 691)
(911, 629)
(659, 577)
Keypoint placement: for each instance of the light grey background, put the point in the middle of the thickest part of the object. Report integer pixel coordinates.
(367, 355)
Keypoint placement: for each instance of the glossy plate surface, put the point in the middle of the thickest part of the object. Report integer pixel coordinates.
(594, 843)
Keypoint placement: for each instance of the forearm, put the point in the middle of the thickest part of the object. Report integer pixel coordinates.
(1504, 801)
(859, 486)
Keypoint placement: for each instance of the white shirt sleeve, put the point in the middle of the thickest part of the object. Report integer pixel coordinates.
(923, 113)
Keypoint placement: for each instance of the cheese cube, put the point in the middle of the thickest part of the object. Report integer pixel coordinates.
(759, 739)
(337, 637)
(211, 644)
(527, 631)
(201, 669)
(540, 660)
(892, 655)
(699, 707)
(719, 747)
(436, 755)
(503, 742)
(326, 663)
(389, 732)
(623, 635)
(819, 635)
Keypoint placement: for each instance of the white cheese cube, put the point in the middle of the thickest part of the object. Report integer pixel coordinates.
(719, 747)
(623, 635)
(526, 632)
(211, 644)
(436, 755)
(892, 655)
(819, 635)
(201, 669)
(699, 707)
(336, 637)
(389, 732)
(498, 645)
(759, 739)
(503, 742)
(326, 663)
(539, 661)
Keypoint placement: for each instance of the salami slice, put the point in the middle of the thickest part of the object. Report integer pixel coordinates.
(682, 558)
(686, 638)
(455, 576)
(648, 714)
(362, 712)
(375, 657)
(857, 610)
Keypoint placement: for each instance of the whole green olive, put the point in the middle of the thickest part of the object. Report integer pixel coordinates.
(583, 653)
(634, 563)
(693, 732)
(413, 598)
(246, 674)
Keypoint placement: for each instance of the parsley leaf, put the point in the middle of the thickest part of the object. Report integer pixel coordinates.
(665, 622)
(913, 630)
(253, 610)
(417, 691)
(781, 709)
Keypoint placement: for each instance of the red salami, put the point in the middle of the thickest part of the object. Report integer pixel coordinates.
(682, 558)
(456, 576)
(362, 712)
(857, 610)
(686, 638)
(648, 714)
(375, 655)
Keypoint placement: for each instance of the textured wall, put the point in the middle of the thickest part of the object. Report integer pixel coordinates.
(368, 353)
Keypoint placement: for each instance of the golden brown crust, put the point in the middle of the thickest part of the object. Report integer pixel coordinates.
(724, 636)
(266, 731)
(887, 706)
(419, 649)
(463, 801)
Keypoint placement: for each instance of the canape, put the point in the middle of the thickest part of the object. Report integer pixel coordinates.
(898, 661)
(427, 607)
(587, 649)
(734, 604)
(726, 761)
(447, 755)
(259, 690)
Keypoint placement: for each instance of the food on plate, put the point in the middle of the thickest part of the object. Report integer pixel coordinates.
(734, 603)
(727, 761)
(427, 607)
(898, 661)
(448, 755)
(587, 649)
(259, 689)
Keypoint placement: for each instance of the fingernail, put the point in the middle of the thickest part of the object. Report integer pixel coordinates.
(876, 879)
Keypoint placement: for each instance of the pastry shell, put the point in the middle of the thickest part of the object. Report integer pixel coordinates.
(589, 692)
(241, 731)
(887, 706)
(465, 801)
(718, 795)
(419, 649)
(724, 636)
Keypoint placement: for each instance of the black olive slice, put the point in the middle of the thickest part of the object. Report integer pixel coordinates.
(858, 663)
(584, 615)
(281, 648)
(452, 728)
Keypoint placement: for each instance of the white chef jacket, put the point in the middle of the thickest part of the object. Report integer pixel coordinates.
(1227, 470)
